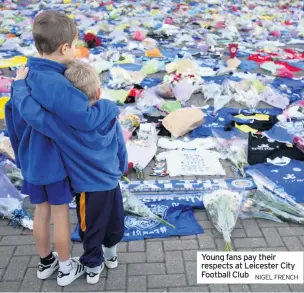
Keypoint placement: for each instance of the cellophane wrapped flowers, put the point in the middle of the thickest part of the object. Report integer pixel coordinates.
(270, 202)
(233, 150)
(223, 207)
(136, 207)
(11, 204)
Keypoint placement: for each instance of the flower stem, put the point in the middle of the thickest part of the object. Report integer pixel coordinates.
(228, 246)
(165, 222)
(126, 179)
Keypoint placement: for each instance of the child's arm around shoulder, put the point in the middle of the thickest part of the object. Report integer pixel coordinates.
(30, 110)
(60, 97)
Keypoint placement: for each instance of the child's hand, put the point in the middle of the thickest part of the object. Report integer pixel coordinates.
(22, 73)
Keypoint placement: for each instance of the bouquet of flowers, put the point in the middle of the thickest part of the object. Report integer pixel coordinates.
(223, 207)
(14, 175)
(233, 150)
(11, 202)
(134, 206)
(271, 202)
(258, 205)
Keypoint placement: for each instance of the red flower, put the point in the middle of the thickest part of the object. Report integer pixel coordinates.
(92, 40)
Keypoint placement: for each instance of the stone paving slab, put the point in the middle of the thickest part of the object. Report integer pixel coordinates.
(155, 266)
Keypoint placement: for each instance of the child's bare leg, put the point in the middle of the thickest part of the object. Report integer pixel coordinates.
(61, 221)
(42, 228)
(69, 269)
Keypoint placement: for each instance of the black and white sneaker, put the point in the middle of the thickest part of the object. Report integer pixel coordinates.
(111, 263)
(45, 271)
(64, 279)
(93, 278)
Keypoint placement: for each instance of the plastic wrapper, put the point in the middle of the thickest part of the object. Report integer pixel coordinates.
(223, 207)
(139, 35)
(128, 122)
(154, 53)
(220, 102)
(148, 100)
(148, 44)
(14, 175)
(233, 64)
(142, 150)
(152, 66)
(126, 59)
(136, 207)
(121, 77)
(274, 98)
(299, 142)
(5, 84)
(233, 150)
(183, 90)
(243, 92)
(118, 36)
(6, 147)
(101, 65)
(271, 202)
(11, 202)
(187, 67)
(116, 96)
(263, 182)
(294, 111)
(164, 90)
(171, 106)
(270, 66)
(211, 90)
(147, 133)
(217, 92)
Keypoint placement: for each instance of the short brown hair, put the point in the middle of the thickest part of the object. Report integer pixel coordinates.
(84, 77)
(52, 29)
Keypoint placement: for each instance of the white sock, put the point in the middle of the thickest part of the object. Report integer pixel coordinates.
(65, 266)
(95, 270)
(110, 252)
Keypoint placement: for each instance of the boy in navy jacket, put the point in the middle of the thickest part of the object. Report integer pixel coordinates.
(38, 156)
(94, 161)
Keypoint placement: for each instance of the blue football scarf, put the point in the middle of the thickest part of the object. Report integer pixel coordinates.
(177, 209)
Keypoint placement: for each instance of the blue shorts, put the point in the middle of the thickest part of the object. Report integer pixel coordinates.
(57, 193)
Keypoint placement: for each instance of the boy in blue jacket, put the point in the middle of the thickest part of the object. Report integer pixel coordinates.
(94, 161)
(38, 156)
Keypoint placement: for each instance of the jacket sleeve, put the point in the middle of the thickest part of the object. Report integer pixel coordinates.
(122, 151)
(11, 128)
(32, 112)
(68, 103)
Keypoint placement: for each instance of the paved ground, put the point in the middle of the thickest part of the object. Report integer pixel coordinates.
(152, 265)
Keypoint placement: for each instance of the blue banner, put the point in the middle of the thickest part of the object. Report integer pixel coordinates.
(190, 185)
(177, 209)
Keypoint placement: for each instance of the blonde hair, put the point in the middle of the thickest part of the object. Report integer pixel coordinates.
(84, 77)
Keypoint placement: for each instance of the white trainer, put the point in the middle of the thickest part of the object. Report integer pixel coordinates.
(93, 278)
(111, 263)
(77, 271)
(45, 271)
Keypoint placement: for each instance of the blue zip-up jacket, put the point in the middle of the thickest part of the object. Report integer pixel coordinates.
(38, 156)
(94, 160)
